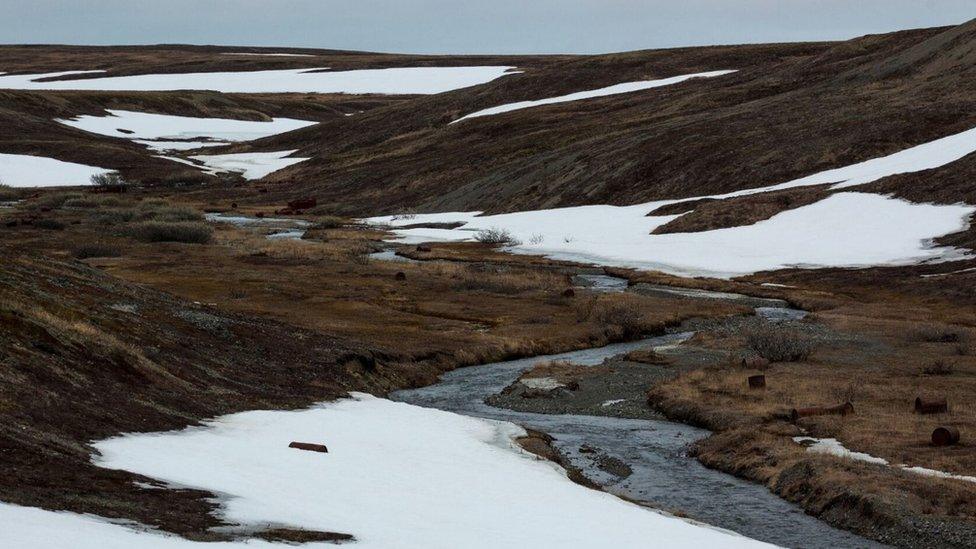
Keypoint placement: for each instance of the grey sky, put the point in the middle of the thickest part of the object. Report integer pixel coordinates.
(482, 26)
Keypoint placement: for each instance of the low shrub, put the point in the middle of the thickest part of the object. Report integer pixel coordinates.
(55, 200)
(115, 216)
(110, 180)
(330, 222)
(8, 194)
(625, 312)
(496, 237)
(80, 203)
(934, 333)
(49, 224)
(96, 249)
(938, 368)
(162, 231)
(777, 343)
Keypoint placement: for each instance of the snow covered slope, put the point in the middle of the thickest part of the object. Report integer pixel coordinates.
(843, 230)
(142, 125)
(20, 170)
(409, 80)
(252, 165)
(396, 475)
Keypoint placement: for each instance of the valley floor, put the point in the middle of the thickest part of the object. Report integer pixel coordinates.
(254, 305)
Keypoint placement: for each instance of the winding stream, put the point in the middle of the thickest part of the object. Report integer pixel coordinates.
(663, 475)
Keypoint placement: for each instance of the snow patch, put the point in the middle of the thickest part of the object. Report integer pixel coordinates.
(142, 125)
(396, 475)
(20, 170)
(626, 87)
(407, 80)
(843, 230)
(832, 446)
(252, 165)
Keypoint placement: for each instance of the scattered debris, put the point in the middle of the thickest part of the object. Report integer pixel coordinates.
(945, 436)
(310, 447)
(839, 410)
(939, 406)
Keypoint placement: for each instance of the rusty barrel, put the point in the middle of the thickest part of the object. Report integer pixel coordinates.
(309, 446)
(757, 382)
(754, 362)
(839, 410)
(945, 436)
(934, 406)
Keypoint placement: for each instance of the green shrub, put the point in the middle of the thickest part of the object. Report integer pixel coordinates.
(162, 231)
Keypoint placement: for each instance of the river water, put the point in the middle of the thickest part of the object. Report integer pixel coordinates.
(656, 451)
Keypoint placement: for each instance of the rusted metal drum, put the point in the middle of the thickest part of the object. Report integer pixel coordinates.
(934, 406)
(309, 446)
(839, 410)
(757, 382)
(945, 436)
(754, 362)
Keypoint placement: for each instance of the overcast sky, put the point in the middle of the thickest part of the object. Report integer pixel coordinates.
(459, 26)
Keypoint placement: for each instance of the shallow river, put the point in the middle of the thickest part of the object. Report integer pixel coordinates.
(663, 475)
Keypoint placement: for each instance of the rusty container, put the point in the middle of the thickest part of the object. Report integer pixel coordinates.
(755, 362)
(757, 382)
(945, 436)
(839, 410)
(935, 406)
(309, 446)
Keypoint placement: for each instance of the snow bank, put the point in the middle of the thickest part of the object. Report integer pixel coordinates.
(843, 230)
(141, 125)
(410, 80)
(252, 165)
(19, 170)
(626, 87)
(397, 475)
(31, 528)
(270, 54)
(833, 447)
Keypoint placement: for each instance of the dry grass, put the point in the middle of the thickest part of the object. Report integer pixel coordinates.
(629, 314)
(179, 231)
(879, 372)
(86, 335)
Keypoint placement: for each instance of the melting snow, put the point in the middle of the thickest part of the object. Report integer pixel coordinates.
(626, 87)
(409, 80)
(833, 447)
(396, 475)
(141, 125)
(20, 170)
(252, 165)
(844, 230)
